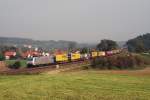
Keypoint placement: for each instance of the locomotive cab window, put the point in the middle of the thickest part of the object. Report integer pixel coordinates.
(30, 59)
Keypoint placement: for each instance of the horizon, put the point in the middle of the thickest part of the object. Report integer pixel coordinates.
(66, 40)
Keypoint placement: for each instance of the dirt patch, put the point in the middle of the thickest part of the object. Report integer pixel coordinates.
(142, 72)
(35, 70)
(67, 68)
(3, 66)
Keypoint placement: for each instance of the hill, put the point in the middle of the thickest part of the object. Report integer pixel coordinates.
(61, 44)
(140, 43)
(49, 44)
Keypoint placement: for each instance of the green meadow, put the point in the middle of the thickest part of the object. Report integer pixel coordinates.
(81, 85)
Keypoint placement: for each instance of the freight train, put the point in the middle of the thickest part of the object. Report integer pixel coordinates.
(68, 57)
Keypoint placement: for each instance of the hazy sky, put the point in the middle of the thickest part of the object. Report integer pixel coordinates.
(77, 20)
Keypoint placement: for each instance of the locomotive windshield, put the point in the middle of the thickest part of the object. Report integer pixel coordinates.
(30, 59)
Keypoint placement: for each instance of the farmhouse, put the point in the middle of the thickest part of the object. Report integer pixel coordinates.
(9, 54)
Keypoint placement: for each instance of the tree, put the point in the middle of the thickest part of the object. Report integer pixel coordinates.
(106, 45)
(18, 54)
(84, 50)
(139, 44)
(2, 57)
(71, 45)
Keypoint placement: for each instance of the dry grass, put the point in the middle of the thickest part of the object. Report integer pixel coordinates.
(141, 72)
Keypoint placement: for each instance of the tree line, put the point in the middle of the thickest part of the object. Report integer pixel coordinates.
(139, 44)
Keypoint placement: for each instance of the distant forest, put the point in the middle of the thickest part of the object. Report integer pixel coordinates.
(61, 44)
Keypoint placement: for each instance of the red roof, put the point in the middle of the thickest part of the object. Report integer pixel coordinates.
(10, 53)
(31, 53)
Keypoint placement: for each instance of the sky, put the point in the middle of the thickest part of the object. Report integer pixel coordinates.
(75, 20)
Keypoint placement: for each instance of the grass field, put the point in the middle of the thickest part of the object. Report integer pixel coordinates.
(81, 85)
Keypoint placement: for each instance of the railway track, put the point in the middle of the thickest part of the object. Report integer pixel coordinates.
(37, 70)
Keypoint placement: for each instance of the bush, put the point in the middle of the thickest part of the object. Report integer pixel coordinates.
(16, 65)
(120, 62)
(10, 63)
(146, 58)
(85, 67)
(2, 57)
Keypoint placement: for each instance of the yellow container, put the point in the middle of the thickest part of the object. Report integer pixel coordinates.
(61, 57)
(75, 56)
(101, 53)
(94, 54)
